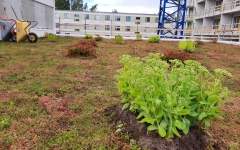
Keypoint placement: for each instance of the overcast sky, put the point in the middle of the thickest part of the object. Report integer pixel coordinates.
(128, 6)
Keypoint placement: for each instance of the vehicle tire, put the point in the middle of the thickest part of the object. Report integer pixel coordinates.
(14, 37)
(32, 37)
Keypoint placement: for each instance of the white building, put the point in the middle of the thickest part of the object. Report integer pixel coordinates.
(105, 23)
(217, 18)
(41, 11)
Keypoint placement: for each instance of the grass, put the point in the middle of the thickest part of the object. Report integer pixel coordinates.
(48, 101)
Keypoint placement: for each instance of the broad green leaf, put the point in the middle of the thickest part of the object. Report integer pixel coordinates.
(203, 102)
(175, 132)
(169, 98)
(153, 109)
(202, 115)
(163, 124)
(183, 112)
(152, 127)
(193, 107)
(158, 102)
(213, 98)
(125, 106)
(186, 130)
(178, 124)
(148, 120)
(193, 113)
(217, 116)
(161, 131)
(207, 122)
(140, 115)
(133, 92)
(124, 100)
(159, 113)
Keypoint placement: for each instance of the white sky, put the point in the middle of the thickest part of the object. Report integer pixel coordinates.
(127, 6)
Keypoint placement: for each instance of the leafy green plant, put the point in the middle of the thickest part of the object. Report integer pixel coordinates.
(88, 36)
(187, 46)
(154, 39)
(52, 37)
(5, 122)
(119, 39)
(139, 37)
(172, 98)
(98, 38)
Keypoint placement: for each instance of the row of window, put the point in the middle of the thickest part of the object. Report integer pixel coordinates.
(107, 17)
(107, 28)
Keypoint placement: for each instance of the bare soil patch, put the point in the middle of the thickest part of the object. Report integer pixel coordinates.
(196, 139)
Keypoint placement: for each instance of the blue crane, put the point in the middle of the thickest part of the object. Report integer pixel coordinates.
(171, 18)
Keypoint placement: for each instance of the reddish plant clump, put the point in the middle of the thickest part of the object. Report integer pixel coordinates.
(83, 48)
(170, 55)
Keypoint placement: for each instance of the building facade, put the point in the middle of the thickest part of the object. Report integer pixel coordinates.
(105, 23)
(41, 11)
(217, 18)
(189, 20)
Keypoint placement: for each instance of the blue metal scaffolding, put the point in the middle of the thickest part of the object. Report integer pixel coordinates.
(171, 18)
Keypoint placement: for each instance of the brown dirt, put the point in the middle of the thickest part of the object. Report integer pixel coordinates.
(196, 139)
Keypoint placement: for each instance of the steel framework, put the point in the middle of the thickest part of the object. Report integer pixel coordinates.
(172, 17)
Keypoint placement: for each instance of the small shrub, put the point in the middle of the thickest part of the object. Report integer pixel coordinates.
(187, 46)
(171, 98)
(171, 55)
(52, 37)
(88, 41)
(98, 38)
(154, 39)
(119, 39)
(81, 50)
(139, 37)
(88, 36)
(199, 43)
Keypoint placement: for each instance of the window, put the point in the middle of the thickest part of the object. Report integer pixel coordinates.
(107, 17)
(107, 27)
(156, 20)
(76, 15)
(216, 23)
(128, 18)
(97, 17)
(76, 19)
(67, 26)
(76, 29)
(97, 27)
(147, 19)
(86, 26)
(117, 28)
(57, 25)
(117, 18)
(236, 22)
(57, 15)
(66, 16)
(127, 28)
(138, 18)
(86, 16)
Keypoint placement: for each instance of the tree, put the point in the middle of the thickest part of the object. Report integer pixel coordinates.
(94, 7)
(73, 5)
(62, 5)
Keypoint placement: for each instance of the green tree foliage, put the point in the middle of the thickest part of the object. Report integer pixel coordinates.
(74, 5)
(94, 7)
(62, 5)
